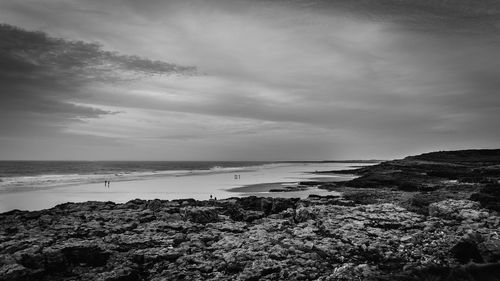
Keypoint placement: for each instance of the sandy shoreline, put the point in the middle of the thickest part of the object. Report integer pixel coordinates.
(200, 187)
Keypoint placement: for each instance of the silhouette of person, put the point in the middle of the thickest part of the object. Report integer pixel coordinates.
(210, 196)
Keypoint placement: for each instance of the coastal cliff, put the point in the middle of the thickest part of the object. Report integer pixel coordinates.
(410, 219)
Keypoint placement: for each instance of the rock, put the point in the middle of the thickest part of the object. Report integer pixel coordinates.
(303, 214)
(343, 272)
(153, 255)
(124, 227)
(250, 216)
(230, 226)
(363, 270)
(54, 260)
(30, 257)
(490, 250)
(489, 195)
(14, 272)
(135, 204)
(245, 239)
(60, 257)
(85, 253)
(260, 268)
(200, 214)
(120, 274)
(155, 205)
(466, 251)
(277, 252)
(267, 205)
(456, 209)
(306, 232)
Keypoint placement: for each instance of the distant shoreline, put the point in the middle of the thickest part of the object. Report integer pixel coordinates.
(217, 180)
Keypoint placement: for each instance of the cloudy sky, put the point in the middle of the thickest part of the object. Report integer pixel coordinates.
(247, 80)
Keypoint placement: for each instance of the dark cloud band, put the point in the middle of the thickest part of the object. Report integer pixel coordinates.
(45, 75)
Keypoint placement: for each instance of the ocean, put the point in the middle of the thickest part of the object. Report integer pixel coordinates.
(19, 175)
(34, 185)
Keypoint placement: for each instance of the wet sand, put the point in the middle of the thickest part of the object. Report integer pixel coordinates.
(200, 187)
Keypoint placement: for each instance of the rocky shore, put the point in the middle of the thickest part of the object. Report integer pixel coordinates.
(417, 181)
(446, 227)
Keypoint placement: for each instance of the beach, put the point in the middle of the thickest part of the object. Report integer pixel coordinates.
(219, 182)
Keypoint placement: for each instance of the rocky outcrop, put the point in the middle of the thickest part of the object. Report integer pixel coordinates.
(458, 209)
(319, 238)
(477, 171)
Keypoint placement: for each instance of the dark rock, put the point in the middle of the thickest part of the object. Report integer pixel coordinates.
(480, 272)
(201, 214)
(86, 254)
(466, 251)
(16, 272)
(309, 183)
(425, 172)
(135, 204)
(54, 260)
(267, 205)
(30, 258)
(468, 272)
(362, 197)
(11, 230)
(60, 257)
(489, 197)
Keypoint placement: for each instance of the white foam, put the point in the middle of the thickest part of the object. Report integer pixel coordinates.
(55, 180)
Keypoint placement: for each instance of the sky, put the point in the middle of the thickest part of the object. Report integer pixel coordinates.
(247, 80)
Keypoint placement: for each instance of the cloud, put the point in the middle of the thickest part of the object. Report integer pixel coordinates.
(44, 75)
(354, 77)
(423, 15)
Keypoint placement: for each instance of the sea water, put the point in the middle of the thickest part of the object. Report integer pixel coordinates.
(34, 185)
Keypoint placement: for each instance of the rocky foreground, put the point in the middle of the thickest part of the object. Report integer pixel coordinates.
(374, 232)
(247, 239)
